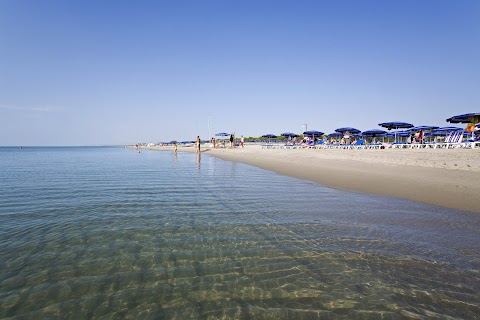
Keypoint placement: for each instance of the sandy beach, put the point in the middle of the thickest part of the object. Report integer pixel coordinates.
(444, 177)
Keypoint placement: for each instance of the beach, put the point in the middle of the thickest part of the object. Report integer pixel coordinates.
(443, 177)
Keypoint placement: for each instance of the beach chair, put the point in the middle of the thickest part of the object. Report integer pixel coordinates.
(455, 139)
(400, 145)
(360, 144)
(320, 144)
(290, 145)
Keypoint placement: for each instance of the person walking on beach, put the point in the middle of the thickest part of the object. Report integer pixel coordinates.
(231, 140)
(198, 143)
(214, 142)
(242, 141)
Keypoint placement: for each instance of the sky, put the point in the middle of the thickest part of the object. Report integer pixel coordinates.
(120, 72)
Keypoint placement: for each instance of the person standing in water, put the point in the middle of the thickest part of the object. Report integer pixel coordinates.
(198, 143)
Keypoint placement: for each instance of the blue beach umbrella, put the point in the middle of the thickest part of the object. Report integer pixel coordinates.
(388, 134)
(269, 136)
(444, 131)
(422, 128)
(403, 134)
(373, 132)
(289, 134)
(465, 118)
(335, 134)
(448, 129)
(313, 133)
(395, 125)
(345, 129)
(222, 134)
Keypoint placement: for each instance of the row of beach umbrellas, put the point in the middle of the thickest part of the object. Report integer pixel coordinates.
(433, 130)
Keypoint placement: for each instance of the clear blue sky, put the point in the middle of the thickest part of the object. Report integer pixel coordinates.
(118, 72)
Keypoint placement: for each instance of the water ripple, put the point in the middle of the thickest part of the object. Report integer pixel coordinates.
(97, 233)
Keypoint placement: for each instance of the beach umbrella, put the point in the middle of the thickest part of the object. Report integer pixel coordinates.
(173, 142)
(465, 118)
(269, 135)
(473, 118)
(289, 134)
(222, 135)
(373, 132)
(395, 125)
(423, 128)
(335, 134)
(351, 130)
(448, 129)
(403, 134)
(313, 133)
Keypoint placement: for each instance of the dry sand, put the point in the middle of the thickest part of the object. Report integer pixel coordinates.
(443, 177)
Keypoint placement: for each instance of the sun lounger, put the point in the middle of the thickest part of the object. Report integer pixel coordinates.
(453, 140)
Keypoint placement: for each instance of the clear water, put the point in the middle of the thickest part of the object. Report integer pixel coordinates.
(108, 233)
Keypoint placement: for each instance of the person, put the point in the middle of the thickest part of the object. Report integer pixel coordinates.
(214, 142)
(242, 141)
(420, 137)
(198, 143)
(175, 148)
(231, 140)
(411, 138)
(346, 137)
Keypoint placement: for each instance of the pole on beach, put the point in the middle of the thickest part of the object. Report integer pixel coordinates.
(209, 127)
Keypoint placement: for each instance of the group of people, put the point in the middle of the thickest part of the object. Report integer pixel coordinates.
(198, 142)
(415, 137)
(232, 139)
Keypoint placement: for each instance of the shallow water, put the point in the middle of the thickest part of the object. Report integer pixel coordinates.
(109, 233)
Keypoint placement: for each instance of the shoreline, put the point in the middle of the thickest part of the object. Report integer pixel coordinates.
(447, 178)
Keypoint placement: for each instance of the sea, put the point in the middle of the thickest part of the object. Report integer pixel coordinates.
(110, 233)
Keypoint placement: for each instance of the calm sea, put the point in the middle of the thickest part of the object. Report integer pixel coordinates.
(112, 234)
